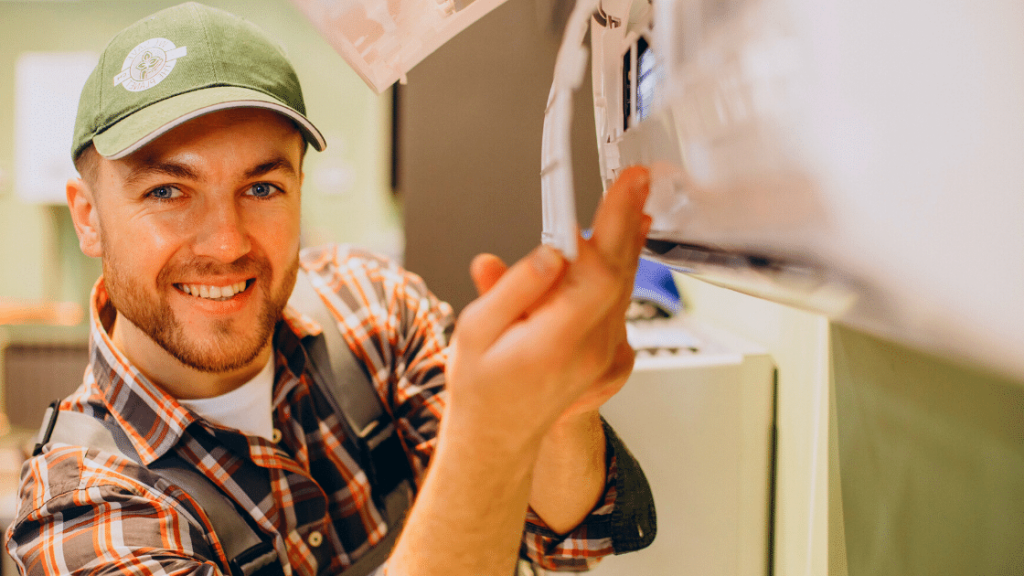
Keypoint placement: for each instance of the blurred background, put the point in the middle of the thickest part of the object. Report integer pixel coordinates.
(447, 166)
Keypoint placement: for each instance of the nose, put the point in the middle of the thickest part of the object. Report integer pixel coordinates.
(222, 233)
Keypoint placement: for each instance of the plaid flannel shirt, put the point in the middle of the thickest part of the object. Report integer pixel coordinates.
(82, 510)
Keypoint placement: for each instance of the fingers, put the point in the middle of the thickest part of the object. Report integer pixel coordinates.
(619, 223)
(511, 294)
(485, 270)
(599, 283)
(596, 286)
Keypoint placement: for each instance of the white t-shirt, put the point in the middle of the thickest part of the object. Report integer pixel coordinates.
(247, 408)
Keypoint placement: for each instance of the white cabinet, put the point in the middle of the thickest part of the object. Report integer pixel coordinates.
(702, 426)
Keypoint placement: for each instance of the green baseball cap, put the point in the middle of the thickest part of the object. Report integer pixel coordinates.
(177, 65)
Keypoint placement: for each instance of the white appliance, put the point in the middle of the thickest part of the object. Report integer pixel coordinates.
(864, 159)
(701, 423)
(861, 159)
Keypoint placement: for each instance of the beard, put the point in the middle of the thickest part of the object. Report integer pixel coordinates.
(227, 344)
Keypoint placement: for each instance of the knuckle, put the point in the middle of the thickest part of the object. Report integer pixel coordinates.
(469, 319)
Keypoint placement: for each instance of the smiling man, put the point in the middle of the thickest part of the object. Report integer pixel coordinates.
(196, 294)
(189, 140)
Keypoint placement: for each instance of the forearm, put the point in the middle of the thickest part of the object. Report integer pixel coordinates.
(544, 337)
(469, 514)
(570, 471)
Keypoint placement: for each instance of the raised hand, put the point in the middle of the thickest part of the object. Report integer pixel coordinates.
(547, 338)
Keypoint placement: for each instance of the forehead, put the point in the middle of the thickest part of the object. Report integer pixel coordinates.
(222, 141)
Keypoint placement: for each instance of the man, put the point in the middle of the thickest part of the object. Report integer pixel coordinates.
(189, 141)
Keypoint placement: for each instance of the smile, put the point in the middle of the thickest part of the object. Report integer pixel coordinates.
(218, 293)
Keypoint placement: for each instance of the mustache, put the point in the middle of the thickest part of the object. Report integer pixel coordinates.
(248, 265)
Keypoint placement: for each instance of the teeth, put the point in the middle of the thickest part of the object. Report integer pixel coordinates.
(212, 292)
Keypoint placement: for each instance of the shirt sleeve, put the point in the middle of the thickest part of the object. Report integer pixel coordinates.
(86, 512)
(623, 520)
(579, 550)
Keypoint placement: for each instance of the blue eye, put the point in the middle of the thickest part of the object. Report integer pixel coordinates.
(263, 190)
(165, 193)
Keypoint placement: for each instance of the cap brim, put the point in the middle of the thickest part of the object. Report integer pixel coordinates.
(148, 124)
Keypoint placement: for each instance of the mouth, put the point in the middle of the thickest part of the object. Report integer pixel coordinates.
(216, 293)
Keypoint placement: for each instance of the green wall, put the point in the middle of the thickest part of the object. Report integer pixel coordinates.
(347, 196)
(930, 463)
(891, 461)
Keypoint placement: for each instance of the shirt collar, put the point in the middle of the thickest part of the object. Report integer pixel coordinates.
(154, 420)
(301, 324)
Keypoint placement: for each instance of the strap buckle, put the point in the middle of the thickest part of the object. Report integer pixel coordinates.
(259, 560)
(50, 420)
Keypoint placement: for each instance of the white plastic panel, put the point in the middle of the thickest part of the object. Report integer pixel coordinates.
(384, 39)
(859, 159)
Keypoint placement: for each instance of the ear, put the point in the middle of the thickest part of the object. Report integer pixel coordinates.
(86, 217)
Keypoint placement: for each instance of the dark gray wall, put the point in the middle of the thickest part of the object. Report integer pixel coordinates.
(469, 140)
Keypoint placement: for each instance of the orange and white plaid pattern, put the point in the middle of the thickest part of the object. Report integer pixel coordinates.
(82, 510)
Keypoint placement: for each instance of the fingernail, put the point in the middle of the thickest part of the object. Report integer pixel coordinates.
(546, 260)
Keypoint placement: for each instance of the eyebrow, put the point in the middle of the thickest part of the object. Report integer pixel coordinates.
(185, 172)
(172, 169)
(279, 163)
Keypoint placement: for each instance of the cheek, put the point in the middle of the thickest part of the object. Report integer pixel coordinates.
(278, 232)
(142, 245)
(159, 237)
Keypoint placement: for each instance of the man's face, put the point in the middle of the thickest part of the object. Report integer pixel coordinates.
(199, 235)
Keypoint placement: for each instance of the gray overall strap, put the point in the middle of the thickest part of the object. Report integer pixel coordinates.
(350, 383)
(235, 534)
(347, 386)
(336, 370)
(397, 502)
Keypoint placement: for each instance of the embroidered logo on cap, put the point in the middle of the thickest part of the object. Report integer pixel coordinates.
(148, 64)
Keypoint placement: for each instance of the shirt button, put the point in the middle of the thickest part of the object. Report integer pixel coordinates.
(315, 539)
(275, 436)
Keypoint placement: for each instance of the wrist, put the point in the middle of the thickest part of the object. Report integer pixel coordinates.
(570, 471)
(489, 440)
(475, 494)
(575, 425)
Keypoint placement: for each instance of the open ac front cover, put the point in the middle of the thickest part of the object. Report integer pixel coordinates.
(824, 156)
(382, 40)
